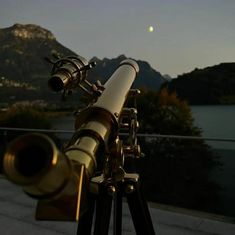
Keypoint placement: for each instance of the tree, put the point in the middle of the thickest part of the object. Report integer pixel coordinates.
(174, 171)
(22, 116)
(25, 115)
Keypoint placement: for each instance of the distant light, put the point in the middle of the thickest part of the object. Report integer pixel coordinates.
(150, 29)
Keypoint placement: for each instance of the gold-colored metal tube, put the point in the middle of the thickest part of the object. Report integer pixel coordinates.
(34, 162)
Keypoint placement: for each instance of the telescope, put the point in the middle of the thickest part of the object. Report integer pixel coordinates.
(89, 174)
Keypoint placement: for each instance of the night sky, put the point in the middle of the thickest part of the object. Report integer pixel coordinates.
(186, 33)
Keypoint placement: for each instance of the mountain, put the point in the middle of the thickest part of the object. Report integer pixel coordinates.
(211, 85)
(23, 49)
(147, 77)
(24, 72)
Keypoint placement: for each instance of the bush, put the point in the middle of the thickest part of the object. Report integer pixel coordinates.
(22, 116)
(25, 116)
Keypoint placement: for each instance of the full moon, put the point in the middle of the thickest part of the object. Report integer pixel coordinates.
(150, 29)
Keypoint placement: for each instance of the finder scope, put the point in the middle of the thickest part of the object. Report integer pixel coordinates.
(69, 72)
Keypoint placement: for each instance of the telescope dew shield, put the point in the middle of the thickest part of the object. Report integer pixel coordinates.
(34, 162)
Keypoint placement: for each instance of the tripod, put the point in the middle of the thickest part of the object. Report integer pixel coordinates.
(101, 205)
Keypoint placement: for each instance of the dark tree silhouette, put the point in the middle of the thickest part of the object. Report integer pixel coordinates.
(174, 171)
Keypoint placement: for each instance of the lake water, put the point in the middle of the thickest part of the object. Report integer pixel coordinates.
(216, 121)
(219, 122)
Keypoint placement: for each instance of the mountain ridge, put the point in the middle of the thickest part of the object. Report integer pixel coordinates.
(23, 69)
(24, 47)
(28, 31)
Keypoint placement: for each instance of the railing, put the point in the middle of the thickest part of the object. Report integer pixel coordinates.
(146, 135)
(225, 176)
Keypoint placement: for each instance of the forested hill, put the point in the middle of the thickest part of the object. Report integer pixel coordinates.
(211, 85)
(24, 72)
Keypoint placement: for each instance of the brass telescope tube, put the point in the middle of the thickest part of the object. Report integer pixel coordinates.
(34, 162)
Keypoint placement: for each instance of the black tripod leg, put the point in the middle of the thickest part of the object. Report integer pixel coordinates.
(85, 222)
(103, 213)
(117, 217)
(139, 211)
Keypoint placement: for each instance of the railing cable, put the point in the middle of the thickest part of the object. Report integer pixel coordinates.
(146, 135)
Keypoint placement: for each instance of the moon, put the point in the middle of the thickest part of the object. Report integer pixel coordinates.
(150, 29)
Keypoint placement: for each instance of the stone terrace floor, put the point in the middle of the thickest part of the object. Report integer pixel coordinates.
(17, 218)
